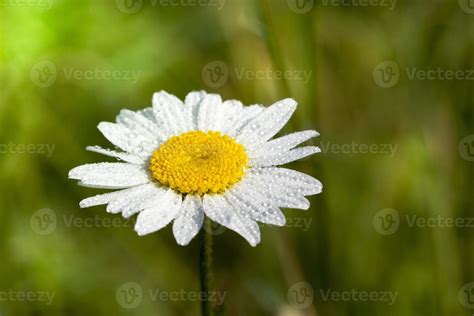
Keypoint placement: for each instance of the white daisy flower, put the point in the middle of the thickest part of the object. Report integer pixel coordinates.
(204, 157)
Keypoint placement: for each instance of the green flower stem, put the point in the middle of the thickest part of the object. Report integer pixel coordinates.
(205, 266)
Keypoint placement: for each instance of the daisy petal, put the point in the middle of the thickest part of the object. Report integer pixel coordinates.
(192, 102)
(150, 115)
(248, 113)
(268, 123)
(210, 114)
(193, 99)
(219, 210)
(282, 144)
(189, 220)
(157, 217)
(128, 201)
(131, 204)
(170, 113)
(131, 158)
(140, 123)
(256, 205)
(149, 200)
(108, 197)
(281, 194)
(232, 113)
(284, 157)
(301, 182)
(127, 140)
(105, 175)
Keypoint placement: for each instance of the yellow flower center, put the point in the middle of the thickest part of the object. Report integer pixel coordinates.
(198, 163)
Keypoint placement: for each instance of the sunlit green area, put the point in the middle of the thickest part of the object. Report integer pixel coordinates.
(389, 86)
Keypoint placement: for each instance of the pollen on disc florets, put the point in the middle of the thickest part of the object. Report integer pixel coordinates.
(199, 162)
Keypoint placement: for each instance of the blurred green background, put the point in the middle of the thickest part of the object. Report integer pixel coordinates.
(393, 140)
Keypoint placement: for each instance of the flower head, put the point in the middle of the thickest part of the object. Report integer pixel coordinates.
(204, 157)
